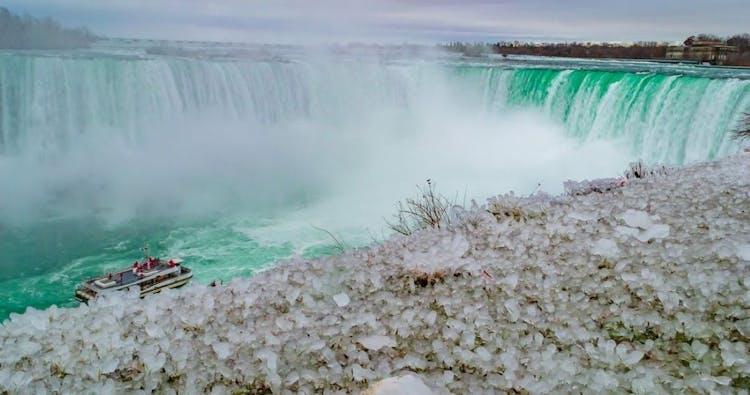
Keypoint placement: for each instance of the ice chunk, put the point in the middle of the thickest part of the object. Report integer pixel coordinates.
(637, 219)
(269, 357)
(376, 342)
(721, 380)
(582, 216)
(152, 358)
(108, 365)
(408, 384)
(629, 358)
(272, 340)
(448, 376)
(511, 280)
(514, 310)
(222, 349)
(284, 324)
(627, 231)
(360, 374)
(468, 338)
(21, 379)
(606, 248)
(342, 299)
(733, 353)
(644, 385)
(444, 253)
(154, 330)
(699, 349)
(38, 319)
(641, 226)
(656, 231)
(483, 354)
(29, 348)
(431, 317)
(743, 252)
(604, 380)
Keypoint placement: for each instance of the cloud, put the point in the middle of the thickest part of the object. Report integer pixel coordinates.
(300, 21)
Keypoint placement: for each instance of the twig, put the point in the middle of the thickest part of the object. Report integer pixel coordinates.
(339, 244)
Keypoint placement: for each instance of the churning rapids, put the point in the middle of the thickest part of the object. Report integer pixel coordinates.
(234, 157)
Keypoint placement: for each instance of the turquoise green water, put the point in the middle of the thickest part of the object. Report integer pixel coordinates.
(41, 266)
(235, 162)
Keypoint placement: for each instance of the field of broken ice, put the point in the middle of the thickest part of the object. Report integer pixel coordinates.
(640, 285)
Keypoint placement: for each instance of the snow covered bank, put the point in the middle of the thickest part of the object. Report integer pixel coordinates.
(642, 288)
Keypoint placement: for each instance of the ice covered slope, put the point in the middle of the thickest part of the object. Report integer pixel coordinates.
(645, 288)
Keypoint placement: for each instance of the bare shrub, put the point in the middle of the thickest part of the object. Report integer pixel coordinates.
(744, 131)
(585, 187)
(639, 170)
(636, 170)
(431, 210)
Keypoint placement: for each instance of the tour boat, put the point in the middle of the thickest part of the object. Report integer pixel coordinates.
(150, 276)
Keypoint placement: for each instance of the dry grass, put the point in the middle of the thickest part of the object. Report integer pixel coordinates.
(502, 212)
(431, 210)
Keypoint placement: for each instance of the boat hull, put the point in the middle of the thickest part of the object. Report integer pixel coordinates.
(85, 294)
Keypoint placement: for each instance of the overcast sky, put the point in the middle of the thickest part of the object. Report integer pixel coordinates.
(419, 21)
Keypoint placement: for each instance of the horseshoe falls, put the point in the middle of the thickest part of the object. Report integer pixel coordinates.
(233, 161)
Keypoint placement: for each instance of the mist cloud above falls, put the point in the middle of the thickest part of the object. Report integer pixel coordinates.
(340, 145)
(197, 168)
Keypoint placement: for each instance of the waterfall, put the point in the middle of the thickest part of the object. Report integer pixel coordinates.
(143, 135)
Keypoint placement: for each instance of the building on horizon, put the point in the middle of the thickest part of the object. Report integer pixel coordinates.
(701, 51)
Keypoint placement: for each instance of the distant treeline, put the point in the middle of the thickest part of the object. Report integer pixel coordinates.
(742, 57)
(25, 32)
(638, 50)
